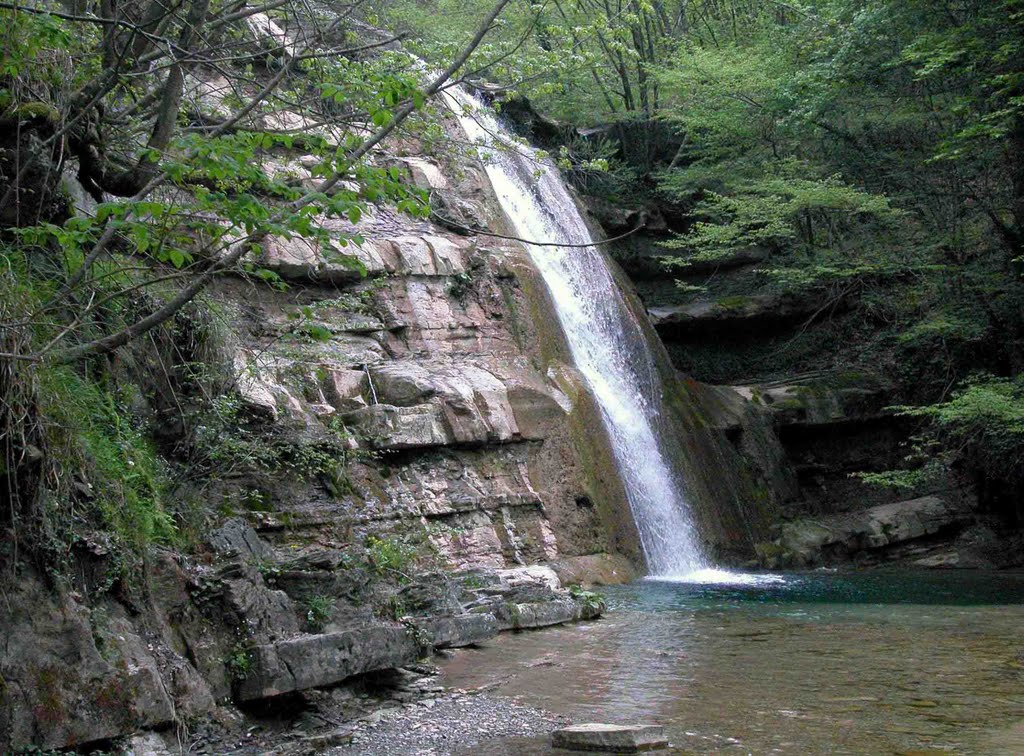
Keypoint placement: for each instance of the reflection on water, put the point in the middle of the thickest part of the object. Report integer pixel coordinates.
(878, 662)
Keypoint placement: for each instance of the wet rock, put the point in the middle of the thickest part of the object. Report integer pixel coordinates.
(609, 738)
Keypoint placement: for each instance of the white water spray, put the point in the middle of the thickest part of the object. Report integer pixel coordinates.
(608, 345)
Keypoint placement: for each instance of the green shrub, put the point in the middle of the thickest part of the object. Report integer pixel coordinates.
(239, 662)
(389, 554)
(592, 602)
(318, 612)
(91, 432)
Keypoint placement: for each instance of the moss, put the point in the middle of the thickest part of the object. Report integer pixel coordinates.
(45, 111)
(512, 308)
(735, 302)
(789, 403)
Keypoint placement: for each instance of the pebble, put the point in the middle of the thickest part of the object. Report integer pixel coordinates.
(448, 725)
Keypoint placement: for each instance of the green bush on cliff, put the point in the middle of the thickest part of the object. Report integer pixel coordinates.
(390, 555)
(111, 462)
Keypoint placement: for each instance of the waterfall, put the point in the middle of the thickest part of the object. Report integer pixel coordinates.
(608, 346)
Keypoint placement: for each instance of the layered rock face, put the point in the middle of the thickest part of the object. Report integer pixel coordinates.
(434, 356)
(444, 366)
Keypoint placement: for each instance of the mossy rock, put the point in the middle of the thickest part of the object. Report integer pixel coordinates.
(38, 110)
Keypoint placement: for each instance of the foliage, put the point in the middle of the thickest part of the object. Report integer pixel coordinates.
(96, 434)
(460, 285)
(390, 555)
(239, 662)
(593, 602)
(984, 420)
(981, 423)
(318, 612)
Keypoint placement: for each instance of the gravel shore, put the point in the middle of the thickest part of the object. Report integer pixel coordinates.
(449, 724)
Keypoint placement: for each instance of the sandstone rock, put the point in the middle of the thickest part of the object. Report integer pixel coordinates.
(148, 744)
(740, 312)
(254, 392)
(58, 689)
(528, 616)
(264, 614)
(301, 259)
(449, 255)
(537, 410)
(595, 569)
(472, 402)
(320, 660)
(270, 37)
(533, 576)
(425, 173)
(610, 738)
(385, 426)
(345, 389)
(415, 256)
(820, 398)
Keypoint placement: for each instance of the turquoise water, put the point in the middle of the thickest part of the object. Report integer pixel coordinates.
(872, 662)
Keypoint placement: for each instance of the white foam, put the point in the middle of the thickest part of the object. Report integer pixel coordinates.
(712, 576)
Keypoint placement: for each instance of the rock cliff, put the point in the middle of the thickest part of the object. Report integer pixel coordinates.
(467, 449)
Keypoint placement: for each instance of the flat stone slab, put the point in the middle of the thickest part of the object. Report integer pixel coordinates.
(315, 661)
(610, 738)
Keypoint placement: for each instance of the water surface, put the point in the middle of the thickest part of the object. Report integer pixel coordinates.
(876, 662)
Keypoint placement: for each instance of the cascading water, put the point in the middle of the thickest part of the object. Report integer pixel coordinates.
(608, 346)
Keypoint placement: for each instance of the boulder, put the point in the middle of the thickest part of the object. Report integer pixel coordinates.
(319, 660)
(609, 738)
(345, 389)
